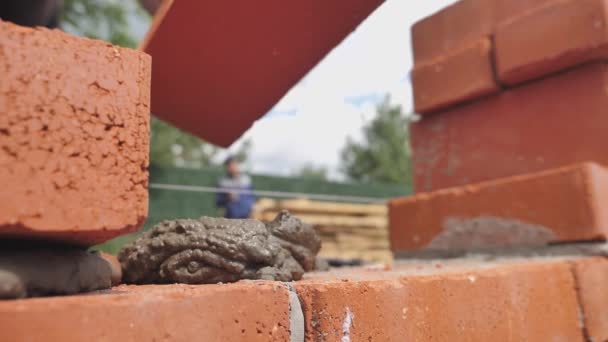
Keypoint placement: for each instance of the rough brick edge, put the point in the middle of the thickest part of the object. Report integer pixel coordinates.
(427, 27)
(382, 306)
(484, 45)
(549, 65)
(67, 237)
(592, 177)
(91, 237)
(599, 193)
(161, 12)
(590, 275)
(251, 311)
(145, 75)
(147, 302)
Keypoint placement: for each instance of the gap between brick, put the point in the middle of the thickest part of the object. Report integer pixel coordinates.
(569, 249)
(296, 315)
(346, 325)
(579, 303)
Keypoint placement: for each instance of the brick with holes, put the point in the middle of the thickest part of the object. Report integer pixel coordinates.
(74, 130)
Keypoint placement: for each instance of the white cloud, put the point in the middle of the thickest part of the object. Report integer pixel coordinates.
(311, 123)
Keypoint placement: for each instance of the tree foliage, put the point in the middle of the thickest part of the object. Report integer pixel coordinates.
(109, 20)
(384, 153)
(171, 147)
(310, 171)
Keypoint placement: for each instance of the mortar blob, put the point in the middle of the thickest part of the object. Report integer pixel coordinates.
(213, 250)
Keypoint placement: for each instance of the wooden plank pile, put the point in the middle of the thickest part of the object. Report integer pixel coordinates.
(348, 231)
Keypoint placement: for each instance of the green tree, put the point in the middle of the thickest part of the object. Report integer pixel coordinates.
(243, 151)
(384, 154)
(171, 147)
(109, 20)
(310, 171)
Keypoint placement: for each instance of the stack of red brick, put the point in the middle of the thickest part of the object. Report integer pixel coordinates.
(512, 141)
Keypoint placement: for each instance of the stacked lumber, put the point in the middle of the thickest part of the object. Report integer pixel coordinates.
(348, 231)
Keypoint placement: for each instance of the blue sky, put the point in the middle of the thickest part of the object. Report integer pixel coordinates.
(311, 123)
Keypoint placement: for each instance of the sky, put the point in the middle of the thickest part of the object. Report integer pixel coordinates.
(310, 125)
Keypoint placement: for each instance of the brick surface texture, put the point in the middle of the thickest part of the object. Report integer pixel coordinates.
(561, 205)
(74, 126)
(550, 39)
(546, 124)
(592, 276)
(451, 29)
(534, 299)
(243, 312)
(465, 74)
(454, 300)
(532, 39)
(522, 302)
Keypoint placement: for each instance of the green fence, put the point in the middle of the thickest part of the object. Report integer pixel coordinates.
(171, 204)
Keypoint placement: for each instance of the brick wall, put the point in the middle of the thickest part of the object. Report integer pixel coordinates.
(547, 299)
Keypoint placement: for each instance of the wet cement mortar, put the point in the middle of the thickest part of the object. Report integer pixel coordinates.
(51, 271)
(489, 232)
(218, 250)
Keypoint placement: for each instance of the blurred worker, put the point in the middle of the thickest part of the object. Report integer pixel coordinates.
(236, 197)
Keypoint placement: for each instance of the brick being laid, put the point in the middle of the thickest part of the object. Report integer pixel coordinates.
(566, 204)
(461, 75)
(74, 132)
(545, 124)
(239, 62)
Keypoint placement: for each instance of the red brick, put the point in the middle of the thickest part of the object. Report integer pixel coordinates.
(552, 38)
(74, 127)
(505, 10)
(592, 276)
(565, 204)
(530, 301)
(232, 63)
(454, 55)
(460, 76)
(550, 123)
(451, 29)
(463, 23)
(238, 312)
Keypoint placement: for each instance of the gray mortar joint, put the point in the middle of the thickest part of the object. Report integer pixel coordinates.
(296, 315)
